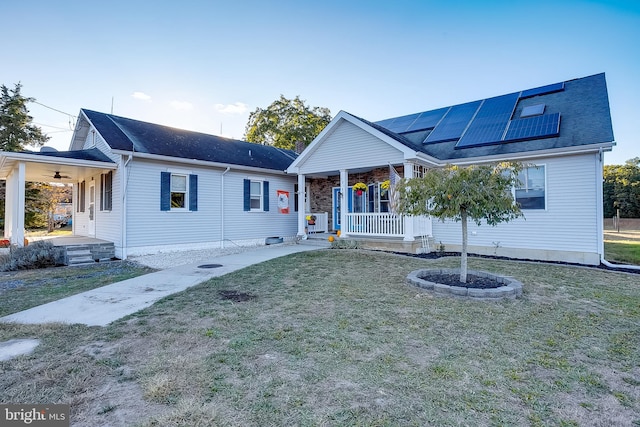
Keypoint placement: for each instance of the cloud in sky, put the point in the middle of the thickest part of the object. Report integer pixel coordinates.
(182, 105)
(235, 108)
(141, 95)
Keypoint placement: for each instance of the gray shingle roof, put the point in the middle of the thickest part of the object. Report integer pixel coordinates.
(125, 134)
(88, 154)
(585, 119)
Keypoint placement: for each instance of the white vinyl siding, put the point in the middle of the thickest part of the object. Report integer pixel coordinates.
(349, 147)
(107, 222)
(148, 226)
(569, 222)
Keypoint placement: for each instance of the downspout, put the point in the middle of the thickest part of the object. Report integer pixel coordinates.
(123, 208)
(600, 219)
(222, 207)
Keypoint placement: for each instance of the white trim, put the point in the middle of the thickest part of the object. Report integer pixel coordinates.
(186, 191)
(261, 208)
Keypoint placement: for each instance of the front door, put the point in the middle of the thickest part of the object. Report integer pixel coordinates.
(337, 208)
(92, 210)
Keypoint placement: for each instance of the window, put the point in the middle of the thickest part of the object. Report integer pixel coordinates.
(531, 193)
(106, 191)
(256, 195)
(178, 192)
(532, 110)
(378, 198)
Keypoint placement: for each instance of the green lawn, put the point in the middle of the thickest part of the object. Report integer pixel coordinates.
(626, 252)
(336, 338)
(20, 290)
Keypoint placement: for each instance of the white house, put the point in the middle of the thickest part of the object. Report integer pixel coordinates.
(562, 129)
(147, 188)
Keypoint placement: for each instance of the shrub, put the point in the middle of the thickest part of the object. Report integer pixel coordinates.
(345, 244)
(40, 254)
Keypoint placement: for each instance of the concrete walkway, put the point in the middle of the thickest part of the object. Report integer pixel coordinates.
(101, 306)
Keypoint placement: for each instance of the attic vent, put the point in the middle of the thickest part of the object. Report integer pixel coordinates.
(532, 110)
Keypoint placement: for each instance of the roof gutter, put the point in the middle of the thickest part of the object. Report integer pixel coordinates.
(592, 148)
(158, 157)
(56, 160)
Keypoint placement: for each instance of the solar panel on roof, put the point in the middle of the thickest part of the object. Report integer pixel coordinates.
(490, 122)
(426, 120)
(399, 124)
(542, 90)
(453, 123)
(544, 126)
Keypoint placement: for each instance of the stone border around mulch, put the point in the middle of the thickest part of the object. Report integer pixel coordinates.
(511, 288)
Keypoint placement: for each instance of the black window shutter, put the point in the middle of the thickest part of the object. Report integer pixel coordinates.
(193, 192)
(247, 195)
(82, 195)
(265, 203)
(165, 191)
(101, 191)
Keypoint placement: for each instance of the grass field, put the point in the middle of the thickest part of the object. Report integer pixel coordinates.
(336, 338)
(623, 246)
(24, 289)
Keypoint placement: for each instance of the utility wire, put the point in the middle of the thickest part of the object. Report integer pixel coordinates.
(72, 118)
(54, 109)
(50, 126)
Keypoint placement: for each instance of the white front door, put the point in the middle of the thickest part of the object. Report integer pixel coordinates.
(92, 208)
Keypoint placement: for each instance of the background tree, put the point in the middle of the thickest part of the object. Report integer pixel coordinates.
(479, 192)
(285, 122)
(16, 133)
(621, 189)
(49, 197)
(16, 130)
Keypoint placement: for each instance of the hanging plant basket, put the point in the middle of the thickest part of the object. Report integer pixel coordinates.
(359, 188)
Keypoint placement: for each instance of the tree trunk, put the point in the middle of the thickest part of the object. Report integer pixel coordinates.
(463, 255)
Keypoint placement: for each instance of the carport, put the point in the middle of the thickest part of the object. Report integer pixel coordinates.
(48, 165)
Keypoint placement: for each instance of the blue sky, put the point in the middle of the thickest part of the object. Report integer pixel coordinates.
(205, 65)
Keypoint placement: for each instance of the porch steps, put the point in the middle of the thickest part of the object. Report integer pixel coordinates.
(89, 253)
(78, 255)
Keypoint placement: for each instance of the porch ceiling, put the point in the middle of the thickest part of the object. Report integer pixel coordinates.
(39, 168)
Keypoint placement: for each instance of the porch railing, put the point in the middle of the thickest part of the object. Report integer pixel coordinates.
(321, 223)
(375, 224)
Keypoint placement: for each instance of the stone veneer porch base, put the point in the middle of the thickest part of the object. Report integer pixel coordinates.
(511, 288)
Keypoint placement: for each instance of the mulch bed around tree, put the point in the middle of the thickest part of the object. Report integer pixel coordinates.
(473, 281)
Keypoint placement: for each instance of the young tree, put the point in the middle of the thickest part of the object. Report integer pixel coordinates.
(285, 122)
(16, 130)
(479, 192)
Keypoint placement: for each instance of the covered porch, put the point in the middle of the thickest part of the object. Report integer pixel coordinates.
(360, 205)
(67, 167)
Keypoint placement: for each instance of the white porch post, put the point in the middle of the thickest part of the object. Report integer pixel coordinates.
(302, 196)
(14, 205)
(344, 206)
(408, 220)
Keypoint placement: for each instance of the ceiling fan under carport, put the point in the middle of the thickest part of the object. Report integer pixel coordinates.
(57, 175)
